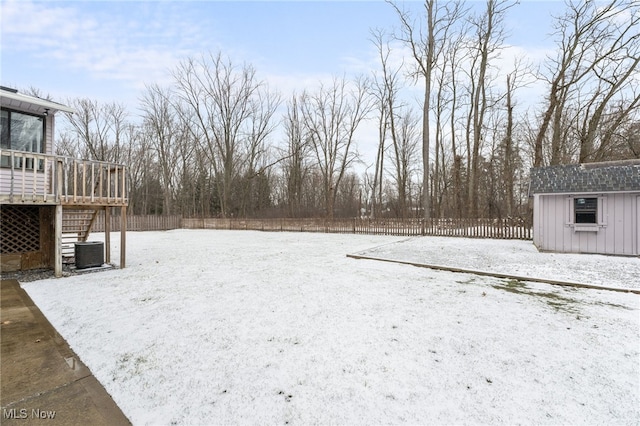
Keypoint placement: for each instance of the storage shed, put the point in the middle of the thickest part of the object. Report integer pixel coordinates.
(587, 208)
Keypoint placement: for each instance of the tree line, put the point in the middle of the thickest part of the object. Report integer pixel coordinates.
(219, 141)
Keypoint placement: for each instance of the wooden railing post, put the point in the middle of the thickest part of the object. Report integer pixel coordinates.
(100, 179)
(45, 186)
(59, 181)
(115, 185)
(75, 181)
(23, 176)
(108, 184)
(93, 182)
(12, 166)
(84, 181)
(124, 184)
(58, 242)
(34, 182)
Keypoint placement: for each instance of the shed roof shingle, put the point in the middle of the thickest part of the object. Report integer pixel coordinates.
(590, 177)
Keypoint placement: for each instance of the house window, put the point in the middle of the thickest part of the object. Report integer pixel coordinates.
(21, 132)
(586, 210)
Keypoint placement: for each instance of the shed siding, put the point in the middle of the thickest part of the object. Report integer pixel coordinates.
(617, 232)
(537, 221)
(637, 242)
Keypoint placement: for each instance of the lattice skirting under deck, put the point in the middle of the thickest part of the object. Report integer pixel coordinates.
(20, 229)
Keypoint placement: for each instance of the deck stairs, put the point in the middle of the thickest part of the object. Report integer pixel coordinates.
(76, 227)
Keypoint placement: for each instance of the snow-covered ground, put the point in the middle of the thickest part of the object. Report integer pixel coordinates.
(225, 327)
(514, 257)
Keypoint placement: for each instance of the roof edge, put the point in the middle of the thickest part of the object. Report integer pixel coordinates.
(580, 193)
(53, 106)
(615, 163)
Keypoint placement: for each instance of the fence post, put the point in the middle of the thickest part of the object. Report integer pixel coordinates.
(123, 236)
(107, 233)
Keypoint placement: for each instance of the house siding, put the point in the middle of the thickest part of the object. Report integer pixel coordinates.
(617, 231)
(42, 178)
(41, 182)
(48, 136)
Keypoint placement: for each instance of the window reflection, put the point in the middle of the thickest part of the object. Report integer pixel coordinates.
(21, 132)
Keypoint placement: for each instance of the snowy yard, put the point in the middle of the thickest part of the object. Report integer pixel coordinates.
(224, 327)
(517, 258)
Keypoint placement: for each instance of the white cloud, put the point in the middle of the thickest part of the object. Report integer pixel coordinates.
(105, 46)
(27, 22)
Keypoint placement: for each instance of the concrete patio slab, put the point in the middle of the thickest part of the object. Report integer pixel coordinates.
(43, 380)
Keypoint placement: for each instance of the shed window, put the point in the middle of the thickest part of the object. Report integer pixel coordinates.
(586, 210)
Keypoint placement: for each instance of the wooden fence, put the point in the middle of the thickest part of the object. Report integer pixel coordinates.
(471, 228)
(139, 223)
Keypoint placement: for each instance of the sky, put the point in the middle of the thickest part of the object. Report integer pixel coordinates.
(108, 50)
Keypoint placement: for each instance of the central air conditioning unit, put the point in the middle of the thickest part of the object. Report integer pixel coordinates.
(89, 254)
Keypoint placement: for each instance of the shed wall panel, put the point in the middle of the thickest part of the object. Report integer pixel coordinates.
(617, 232)
(637, 239)
(537, 223)
(623, 212)
(556, 226)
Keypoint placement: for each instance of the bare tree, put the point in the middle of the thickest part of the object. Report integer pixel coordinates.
(167, 134)
(630, 140)
(385, 90)
(454, 57)
(331, 117)
(295, 166)
(221, 101)
(348, 196)
(140, 160)
(255, 152)
(489, 37)
(598, 52)
(38, 93)
(403, 155)
(508, 170)
(98, 128)
(612, 98)
(426, 47)
(509, 147)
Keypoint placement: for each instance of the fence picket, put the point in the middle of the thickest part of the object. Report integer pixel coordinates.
(470, 228)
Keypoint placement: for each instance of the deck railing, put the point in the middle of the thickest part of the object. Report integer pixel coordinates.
(34, 178)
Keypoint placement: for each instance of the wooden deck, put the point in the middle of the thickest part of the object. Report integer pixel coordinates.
(32, 178)
(68, 191)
